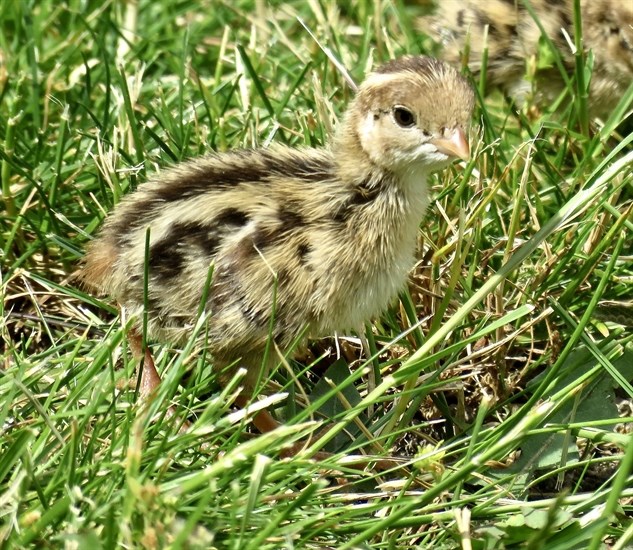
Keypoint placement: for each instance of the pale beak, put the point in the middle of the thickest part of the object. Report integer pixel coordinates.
(455, 145)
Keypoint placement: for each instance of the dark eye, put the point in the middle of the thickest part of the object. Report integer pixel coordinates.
(403, 117)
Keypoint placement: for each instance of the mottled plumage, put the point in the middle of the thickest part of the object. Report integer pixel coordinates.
(516, 48)
(333, 229)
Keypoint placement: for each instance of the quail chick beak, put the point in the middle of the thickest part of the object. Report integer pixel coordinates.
(453, 143)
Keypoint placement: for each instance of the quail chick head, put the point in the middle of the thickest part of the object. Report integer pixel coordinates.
(319, 240)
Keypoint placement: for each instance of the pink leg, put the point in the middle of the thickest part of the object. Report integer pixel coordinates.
(150, 379)
(262, 420)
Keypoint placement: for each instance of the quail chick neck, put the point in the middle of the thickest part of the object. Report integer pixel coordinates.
(410, 118)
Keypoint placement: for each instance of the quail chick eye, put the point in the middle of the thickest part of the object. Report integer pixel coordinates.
(403, 117)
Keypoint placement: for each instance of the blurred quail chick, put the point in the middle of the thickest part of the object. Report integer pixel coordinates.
(325, 238)
(516, 48)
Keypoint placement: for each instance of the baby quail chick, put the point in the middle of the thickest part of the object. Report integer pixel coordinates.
(323, 239)
(514, 45)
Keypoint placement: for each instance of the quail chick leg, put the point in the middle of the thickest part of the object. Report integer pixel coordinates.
(262, 420)
(150, 379)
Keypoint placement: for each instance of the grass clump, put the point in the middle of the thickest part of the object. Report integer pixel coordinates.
(510, 350)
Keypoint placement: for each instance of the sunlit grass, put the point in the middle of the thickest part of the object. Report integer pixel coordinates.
(505, 340)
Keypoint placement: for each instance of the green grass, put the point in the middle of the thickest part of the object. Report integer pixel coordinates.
(508, 365)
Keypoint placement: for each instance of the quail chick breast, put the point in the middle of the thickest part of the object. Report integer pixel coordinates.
(316, 239)
(516, 48)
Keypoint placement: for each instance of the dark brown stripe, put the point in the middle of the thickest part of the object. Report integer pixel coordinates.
(312, 169)
(168, 256)
(366, 193)
(236, 167)
(136, 215)
(290, 219)
(232, 217)
(251, 313)
(283, 276)
(362, 195)
(460, 17)
(219, 172)
(261, 238)
(566, 20)
(302, 251)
